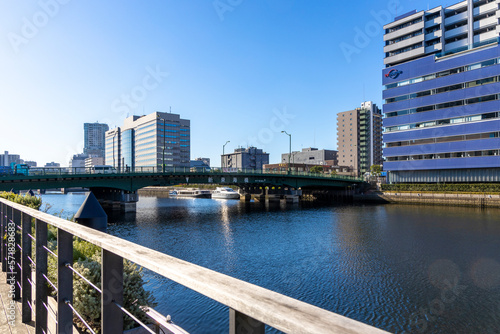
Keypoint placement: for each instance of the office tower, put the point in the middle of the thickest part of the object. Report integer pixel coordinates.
(149, 141)
(94, 134)
(441, 91)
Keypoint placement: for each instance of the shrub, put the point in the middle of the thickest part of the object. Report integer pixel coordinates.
(88, 301)
(27, 200)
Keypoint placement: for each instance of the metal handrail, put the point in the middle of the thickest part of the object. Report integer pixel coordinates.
(259, 304)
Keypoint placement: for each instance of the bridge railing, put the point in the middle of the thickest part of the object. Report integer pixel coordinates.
(250, 306)
(39, 171)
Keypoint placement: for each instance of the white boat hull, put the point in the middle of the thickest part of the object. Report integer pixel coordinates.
(225, 193)
(226, 196)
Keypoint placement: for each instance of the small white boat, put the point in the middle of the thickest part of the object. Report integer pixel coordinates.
(196, 193)
(225, 193)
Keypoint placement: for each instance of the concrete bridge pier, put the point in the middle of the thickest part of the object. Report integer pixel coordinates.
(274, 194)
(116, 199)
(292, 196)
(245, 194)
(258, 194)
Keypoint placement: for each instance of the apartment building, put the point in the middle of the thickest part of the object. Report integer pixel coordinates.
(359, 138)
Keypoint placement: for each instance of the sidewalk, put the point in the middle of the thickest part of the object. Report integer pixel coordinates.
(7, 324)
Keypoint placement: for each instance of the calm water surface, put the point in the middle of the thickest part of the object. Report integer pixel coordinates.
(413, 269)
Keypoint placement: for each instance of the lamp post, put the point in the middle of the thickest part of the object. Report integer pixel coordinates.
(163, 150)
(223, 147)
(290, 149)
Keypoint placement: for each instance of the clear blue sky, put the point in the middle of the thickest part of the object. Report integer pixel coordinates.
(240, 70)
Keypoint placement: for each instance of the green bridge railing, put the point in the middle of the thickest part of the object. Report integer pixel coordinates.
(39, 171)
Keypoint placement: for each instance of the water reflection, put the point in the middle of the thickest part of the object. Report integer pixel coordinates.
(400, 268)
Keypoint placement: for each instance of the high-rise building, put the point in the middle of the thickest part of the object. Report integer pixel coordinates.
(149, 141)
(6, 159)
(442, 94)
(94, 134)
(359, 138)
(245, 158)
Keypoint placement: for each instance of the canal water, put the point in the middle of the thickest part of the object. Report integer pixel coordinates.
(405, 269)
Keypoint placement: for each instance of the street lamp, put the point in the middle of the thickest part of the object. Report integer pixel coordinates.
(290, 149)
(223, 146)
(163, 150)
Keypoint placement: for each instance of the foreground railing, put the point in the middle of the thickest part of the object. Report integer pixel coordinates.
(250, 306)
(40, 171)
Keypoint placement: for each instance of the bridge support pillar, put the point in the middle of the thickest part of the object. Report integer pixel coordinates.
(274, 195)
(258, 194)
(116, 199)
(292, 196)
(245, 195)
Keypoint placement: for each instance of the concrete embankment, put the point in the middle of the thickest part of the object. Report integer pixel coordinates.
(452, 199)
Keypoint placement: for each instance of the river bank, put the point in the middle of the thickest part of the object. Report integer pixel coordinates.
(431, 198)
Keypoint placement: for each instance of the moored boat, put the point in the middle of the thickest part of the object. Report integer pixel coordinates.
(225, 193)
(195, 193)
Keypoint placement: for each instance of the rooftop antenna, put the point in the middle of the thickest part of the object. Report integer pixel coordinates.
(170, 109)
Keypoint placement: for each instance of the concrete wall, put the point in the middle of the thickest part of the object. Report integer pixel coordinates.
(472, 200)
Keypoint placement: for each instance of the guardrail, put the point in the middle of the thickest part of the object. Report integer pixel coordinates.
(250, 306)
(36, 171)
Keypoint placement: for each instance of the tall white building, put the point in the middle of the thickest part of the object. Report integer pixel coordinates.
(150, 141)
(459, 27)
(94, 134)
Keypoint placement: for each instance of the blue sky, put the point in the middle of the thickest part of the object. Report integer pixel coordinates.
(240, 70)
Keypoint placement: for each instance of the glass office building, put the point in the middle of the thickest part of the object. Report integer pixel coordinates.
(150, 141)
(442, 95)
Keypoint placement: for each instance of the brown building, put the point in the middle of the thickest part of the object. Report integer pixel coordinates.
(359, 138)
(328, 169)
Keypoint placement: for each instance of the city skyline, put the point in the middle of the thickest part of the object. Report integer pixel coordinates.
(242, 72)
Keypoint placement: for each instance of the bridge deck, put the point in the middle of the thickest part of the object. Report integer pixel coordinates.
(5, 326)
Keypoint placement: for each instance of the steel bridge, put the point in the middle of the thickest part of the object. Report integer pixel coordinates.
(121, 185)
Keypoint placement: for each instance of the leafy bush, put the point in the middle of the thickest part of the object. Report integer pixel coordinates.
(88, 301)
(443, 187)
(316, 169)
(27, 200)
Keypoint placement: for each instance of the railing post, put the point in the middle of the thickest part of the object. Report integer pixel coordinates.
(26, 265)
(112, 291)
(64, 282)
(6, 217)
(16, 269)
(2, 231)
(41, 291)
(240, 323)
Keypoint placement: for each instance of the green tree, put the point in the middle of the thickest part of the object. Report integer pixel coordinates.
(316, 169)
(375, 170)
